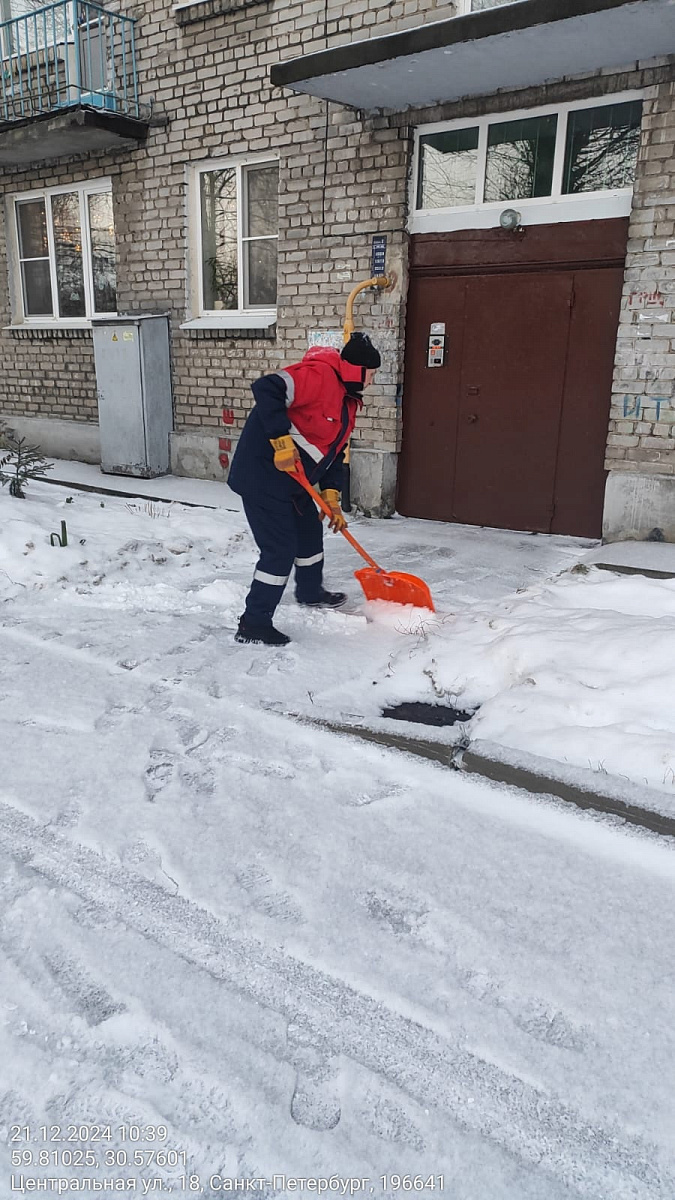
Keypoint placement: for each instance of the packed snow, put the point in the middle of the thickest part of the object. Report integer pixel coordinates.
(580, 669)
(295, 954)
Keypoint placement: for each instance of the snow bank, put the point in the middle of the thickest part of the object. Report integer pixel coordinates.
(581, 670)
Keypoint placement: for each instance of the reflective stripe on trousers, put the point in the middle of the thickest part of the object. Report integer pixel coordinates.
(288, 534)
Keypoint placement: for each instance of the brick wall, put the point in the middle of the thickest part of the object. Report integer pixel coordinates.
(341, 180)
(642, 427)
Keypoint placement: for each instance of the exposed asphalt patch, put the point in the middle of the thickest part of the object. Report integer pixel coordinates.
(427, 714)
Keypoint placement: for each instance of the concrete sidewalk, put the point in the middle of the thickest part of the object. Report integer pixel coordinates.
(167, 489)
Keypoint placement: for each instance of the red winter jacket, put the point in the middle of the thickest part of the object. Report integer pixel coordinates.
(309, 400)
(321, 414)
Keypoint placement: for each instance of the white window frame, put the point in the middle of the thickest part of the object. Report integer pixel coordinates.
(538, 210)
(198, 316)
(91, 187)
(19, 316)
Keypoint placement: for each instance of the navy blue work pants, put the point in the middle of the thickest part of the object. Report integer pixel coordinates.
(288, 533)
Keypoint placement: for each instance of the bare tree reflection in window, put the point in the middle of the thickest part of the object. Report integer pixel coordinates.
(68, 254)
(103, 264)
(602, 147)
(219, 239)
(447, 170)
(520, 158)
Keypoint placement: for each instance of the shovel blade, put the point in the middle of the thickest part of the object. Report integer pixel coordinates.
(395, 586)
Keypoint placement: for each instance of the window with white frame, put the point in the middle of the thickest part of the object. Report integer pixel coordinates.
(238, 238)
(65, 252)
(580, 157)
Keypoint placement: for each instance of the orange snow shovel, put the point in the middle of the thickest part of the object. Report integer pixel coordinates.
(394, 586)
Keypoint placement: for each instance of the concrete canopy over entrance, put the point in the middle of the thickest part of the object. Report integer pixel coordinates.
(512, 46)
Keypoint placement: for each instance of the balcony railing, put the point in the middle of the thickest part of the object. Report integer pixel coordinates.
(65, 54)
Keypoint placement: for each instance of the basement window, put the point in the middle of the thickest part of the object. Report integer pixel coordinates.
(570, 162)
(64, 249)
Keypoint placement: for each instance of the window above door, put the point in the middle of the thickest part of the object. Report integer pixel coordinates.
(570, 162)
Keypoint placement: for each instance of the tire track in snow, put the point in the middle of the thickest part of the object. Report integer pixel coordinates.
(476, 1095)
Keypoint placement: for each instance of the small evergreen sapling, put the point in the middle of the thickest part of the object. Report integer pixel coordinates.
(19, 463)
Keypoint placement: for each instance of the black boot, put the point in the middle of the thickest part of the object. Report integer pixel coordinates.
(325, 600)
(265, 635)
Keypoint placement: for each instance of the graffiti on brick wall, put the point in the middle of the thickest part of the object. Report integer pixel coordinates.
(653, 299)
(635, 406)
(225, 443)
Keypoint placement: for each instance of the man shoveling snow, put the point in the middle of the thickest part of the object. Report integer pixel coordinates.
(304, 415)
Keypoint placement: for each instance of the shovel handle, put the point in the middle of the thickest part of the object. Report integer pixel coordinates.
(300, 476)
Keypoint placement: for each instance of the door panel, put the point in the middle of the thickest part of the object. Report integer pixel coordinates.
(430, 412)
(580, 476)
(511, 391)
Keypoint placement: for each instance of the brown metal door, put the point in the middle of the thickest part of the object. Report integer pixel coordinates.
(580, 475)
(426, 469)
(511, 394)
(511, 430)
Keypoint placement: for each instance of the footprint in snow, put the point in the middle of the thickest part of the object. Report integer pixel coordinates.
(68, 816)
(401, 914)
(159, 773)
(89, 998)
(114, 716)
(315, 1103)
(536, 1018)
(385, 1117)
(385, 791)
(265, 897)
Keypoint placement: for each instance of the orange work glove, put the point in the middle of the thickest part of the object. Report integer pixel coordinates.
(338, 520)
(285, 453)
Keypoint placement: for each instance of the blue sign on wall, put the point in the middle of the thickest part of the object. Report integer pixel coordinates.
(378, 261)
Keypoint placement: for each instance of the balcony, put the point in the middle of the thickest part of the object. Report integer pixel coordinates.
(68, 83)
(492, 45)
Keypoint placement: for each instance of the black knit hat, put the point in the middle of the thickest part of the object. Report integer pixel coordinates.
(360, 352)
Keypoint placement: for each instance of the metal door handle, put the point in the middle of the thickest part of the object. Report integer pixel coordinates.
(472, 417)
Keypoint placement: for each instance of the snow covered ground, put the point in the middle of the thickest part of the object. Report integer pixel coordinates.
(580, 669)
(298, 955)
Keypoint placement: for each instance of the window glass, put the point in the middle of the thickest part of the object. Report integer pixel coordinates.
(32, 221)
(447, 168)
(68, 254)
(103, 265)
(31, 216)
(263, 200)
(219, 239)
(520, 158)
(261, 273)
(37, 288)
(602, 147)
(239, 223)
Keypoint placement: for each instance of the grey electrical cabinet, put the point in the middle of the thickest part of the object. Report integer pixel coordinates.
(135, 405)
